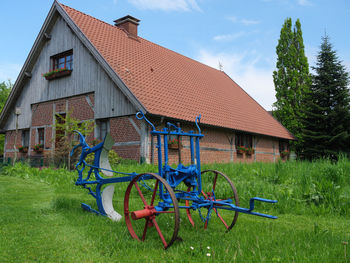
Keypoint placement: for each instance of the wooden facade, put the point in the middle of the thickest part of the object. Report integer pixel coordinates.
(87, 77)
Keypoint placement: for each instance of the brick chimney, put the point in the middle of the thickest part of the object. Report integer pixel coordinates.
(129, 24)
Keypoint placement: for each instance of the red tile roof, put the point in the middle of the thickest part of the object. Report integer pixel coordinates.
(172, 85)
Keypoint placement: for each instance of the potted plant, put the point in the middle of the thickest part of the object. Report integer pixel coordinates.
(173, 144)
(241, 149)
(38, 148)
(250, 151)
(23, 149)
(57, 73)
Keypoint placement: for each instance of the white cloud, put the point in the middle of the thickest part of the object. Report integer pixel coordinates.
(229, 37)
(233, 19)
(290, 3)
(304, 2)
(347, 65)
(243, 21)
(194, 5)
(9, 71)
(248, 22)
(243, 69)
(167, 5)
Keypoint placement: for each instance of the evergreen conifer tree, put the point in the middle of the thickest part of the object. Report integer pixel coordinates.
(291, 78)
(327, 107)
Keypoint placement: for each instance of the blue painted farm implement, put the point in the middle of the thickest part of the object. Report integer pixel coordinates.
(152, 200)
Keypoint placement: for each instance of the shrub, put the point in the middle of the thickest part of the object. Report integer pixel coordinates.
(113, 158)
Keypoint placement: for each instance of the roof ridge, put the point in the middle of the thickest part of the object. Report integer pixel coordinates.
(114, 27)
(94, 18)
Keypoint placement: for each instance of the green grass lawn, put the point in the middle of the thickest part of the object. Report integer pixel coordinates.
(41, 221)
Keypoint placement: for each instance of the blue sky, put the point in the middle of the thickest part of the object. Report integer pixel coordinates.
(241, 35)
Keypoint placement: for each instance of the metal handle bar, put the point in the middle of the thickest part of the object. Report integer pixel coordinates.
(141, 116)
(82, 143)
(198, 120)
(170, 125)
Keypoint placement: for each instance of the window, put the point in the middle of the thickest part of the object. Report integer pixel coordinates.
(25, 138)
(102, 128)
(62, 60)
(245, 140)
(60, 132)
(283, 146)
(41, 136)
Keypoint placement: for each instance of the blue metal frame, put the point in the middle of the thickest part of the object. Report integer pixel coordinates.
(99, 181)
(190, 175)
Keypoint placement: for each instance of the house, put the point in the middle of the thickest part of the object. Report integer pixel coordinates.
(108, 73)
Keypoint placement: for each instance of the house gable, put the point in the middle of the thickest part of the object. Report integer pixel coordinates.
(88, 76)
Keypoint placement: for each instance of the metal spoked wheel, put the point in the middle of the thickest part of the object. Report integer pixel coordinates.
(147, 214)
(217, 186)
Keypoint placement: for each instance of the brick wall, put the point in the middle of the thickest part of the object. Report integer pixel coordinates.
(125, 132)
(267, 149)
(43, 116)
(80, 108)
(217, 145)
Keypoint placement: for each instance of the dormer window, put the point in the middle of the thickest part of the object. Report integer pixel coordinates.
(62, 61)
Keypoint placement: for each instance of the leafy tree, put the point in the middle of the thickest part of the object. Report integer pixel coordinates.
(65, 127)
(5, 89)
(291, 78)
(327, 112)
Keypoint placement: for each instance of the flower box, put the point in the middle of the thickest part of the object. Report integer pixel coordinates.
(241, 149)
(57, 73)
(250, 151)
(38, 148)
(23, 149)
(174, 144)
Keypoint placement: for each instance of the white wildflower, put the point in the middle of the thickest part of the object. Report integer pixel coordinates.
(208, 254)
(192, 248)
(208, 247)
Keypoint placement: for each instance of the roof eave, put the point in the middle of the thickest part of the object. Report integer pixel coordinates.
(292, 137)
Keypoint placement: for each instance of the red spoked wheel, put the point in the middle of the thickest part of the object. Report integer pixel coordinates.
(216, 186)
(142, 205)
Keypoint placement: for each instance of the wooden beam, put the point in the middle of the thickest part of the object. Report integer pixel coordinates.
(47, 36)
(28, 74)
